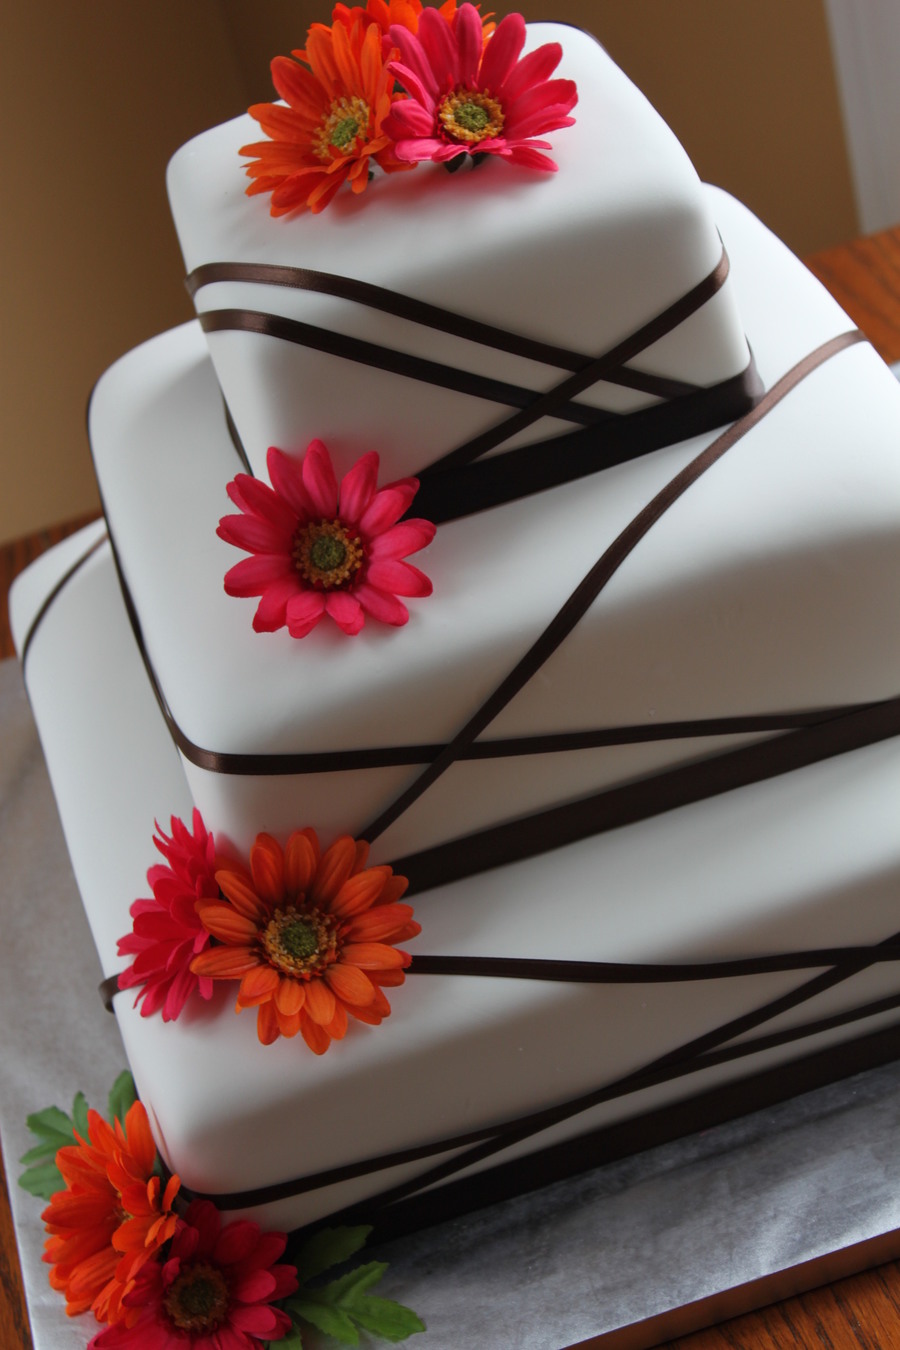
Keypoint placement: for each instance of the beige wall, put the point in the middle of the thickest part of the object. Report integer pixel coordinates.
(96, 96)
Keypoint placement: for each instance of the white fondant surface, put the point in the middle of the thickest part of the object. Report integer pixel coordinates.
(604, 245)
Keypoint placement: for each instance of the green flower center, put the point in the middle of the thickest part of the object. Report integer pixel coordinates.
(470, 116)
(327, 552)
(299, 939)
(345, 132)
(300, 942)
(327, 555)
(344, 126)
(198, 1299)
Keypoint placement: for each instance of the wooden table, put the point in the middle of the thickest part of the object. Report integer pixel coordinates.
(859, 1313)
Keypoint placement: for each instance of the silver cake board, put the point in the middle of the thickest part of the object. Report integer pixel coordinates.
(622, 1257)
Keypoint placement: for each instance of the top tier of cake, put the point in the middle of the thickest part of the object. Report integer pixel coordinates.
(580, 259)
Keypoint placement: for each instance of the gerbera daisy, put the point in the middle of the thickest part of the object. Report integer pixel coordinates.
(166, 932)
(387, 12)
(111, 1218)
(323, 548)
(467, 96)
(381, 12)
(309, 935)
(331, 132)
(213, 1292)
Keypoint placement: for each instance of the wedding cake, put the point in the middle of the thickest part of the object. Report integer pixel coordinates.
(631, 742)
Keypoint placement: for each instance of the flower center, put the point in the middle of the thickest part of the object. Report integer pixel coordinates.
(470, 116)
(198, 1299)
(326, 554)
(346, 122)
(300, 943)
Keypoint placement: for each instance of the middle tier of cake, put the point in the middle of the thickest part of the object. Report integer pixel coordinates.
(757, 599)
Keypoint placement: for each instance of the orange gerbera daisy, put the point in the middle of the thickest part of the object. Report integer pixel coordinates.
(309, 935)
(331, 131)
(112, 1216)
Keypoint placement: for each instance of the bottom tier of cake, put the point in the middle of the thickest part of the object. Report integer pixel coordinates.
(785, 890)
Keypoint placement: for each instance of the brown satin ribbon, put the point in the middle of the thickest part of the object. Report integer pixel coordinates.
(606, 566)
(456, 485)
(60, 585)
(483, 1143)
(615, 972)
(432, 316)
(466, 489)
(281, 764)
(543, 831)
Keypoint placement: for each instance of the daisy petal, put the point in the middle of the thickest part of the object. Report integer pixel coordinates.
(399, 578)
(319, 479)
(358, 488)
(350, 984)
(502, 52)
(400, 540)
(304, 611)
(346, 611)
(385, 608)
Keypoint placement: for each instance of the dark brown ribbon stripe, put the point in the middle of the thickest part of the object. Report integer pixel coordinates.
(619, 973)
(603, 570)
(455, 485)
(393, 362)
(612, 808)
(57, 589)
(284, 763)
(483, 1143)
(441, 320)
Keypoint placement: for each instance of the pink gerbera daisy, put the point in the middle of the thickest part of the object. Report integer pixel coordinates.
(476, 97)
(167, 933)
(319, 547)
(213, 1292)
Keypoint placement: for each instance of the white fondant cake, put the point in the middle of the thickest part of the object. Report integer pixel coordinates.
(765, 589)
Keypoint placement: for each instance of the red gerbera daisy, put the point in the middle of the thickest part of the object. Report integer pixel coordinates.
(111, 1218)
(213, 1292)
(309, 935)
(468, 96)
(323, 548)
(167, 933)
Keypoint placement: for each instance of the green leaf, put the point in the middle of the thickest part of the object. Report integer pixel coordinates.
(42, 1181)
(329, 1247)
(122, 1096)
(51, 1124)
(325, 1318)
(348, 1288)
(292, 1341)
(387, 1319)
(80, 1114)
(40, 1153)
(53, 1129)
